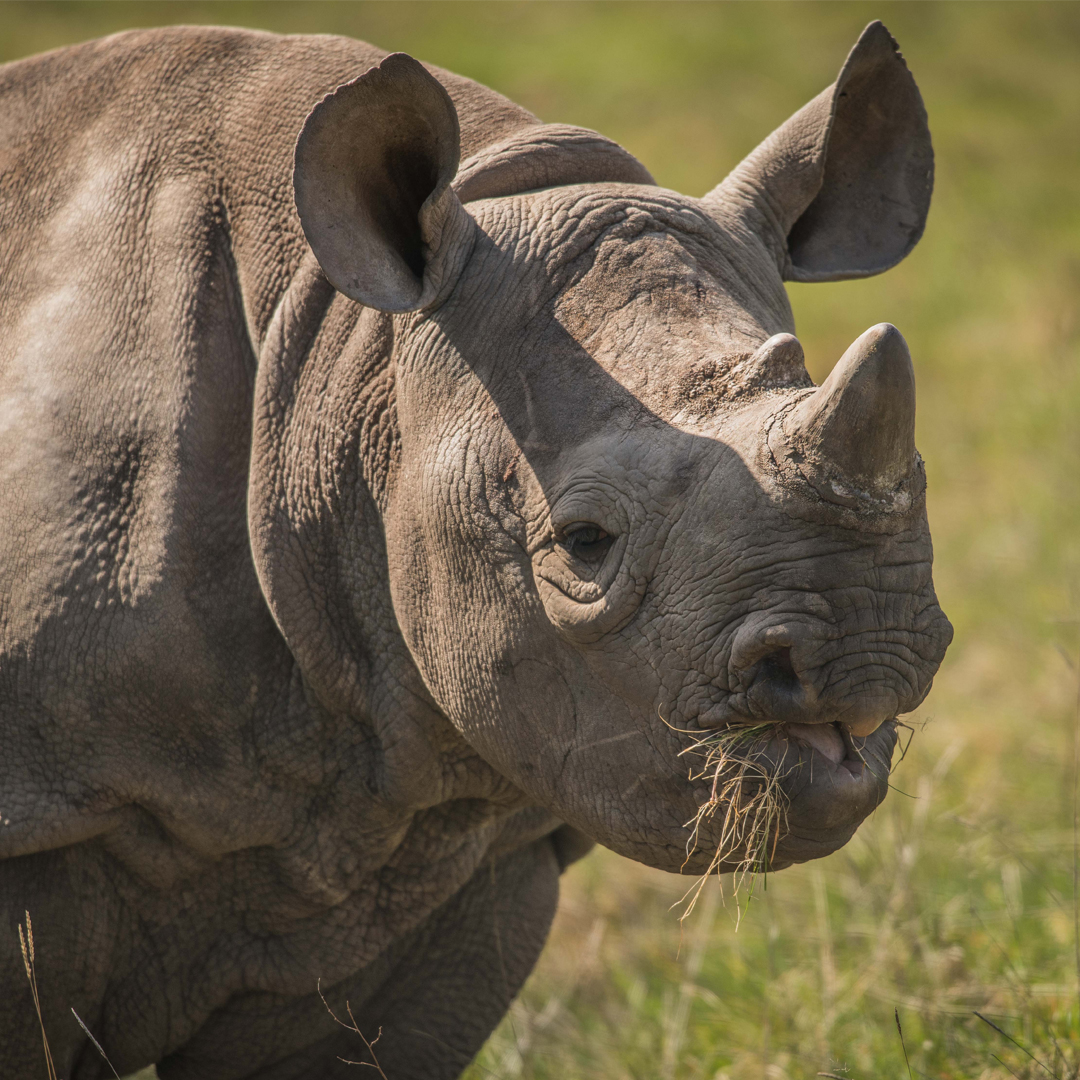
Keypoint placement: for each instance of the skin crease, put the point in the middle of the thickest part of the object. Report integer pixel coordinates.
(303, 680)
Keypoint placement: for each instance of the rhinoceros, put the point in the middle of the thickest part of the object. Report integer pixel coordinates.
(399, 495)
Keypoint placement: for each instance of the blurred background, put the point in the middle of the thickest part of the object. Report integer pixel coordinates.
(959, 894)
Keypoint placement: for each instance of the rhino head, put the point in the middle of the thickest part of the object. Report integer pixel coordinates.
(645, 567)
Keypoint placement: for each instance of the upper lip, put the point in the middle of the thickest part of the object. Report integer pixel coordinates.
(861, 757)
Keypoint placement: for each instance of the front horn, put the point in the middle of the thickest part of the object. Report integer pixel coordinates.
(855, 435)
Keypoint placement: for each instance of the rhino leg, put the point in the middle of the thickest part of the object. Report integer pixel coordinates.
(459, 976)
(448, 985)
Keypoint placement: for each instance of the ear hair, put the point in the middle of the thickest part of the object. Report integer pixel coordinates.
(372, 174)
(843, 188)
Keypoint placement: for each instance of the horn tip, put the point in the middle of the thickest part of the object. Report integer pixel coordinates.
(880, 356)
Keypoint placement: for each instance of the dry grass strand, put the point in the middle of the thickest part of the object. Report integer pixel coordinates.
(749, 791)
(26, 943)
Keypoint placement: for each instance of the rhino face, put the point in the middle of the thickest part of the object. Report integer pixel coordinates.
(642, 564)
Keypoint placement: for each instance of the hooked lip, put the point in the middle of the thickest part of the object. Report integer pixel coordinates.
(836, 743)
(829, 776)
(806, 786)
(835, 748)
(832, 779)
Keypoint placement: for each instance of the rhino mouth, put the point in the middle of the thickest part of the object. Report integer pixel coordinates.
(777, 794)
(836, 743)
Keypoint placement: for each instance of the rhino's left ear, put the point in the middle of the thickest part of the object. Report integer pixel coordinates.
(843, 188)
(372, 175)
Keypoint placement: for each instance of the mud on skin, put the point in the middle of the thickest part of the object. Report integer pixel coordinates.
(393, 489)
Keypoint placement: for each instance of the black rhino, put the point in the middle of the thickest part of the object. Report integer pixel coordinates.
(386, 511)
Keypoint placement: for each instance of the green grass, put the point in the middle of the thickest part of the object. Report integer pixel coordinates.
(958, 894)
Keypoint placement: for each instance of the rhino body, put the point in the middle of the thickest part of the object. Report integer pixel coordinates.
(385, 512)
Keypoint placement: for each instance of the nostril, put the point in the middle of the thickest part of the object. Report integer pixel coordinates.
(776, 667)
(778, 694)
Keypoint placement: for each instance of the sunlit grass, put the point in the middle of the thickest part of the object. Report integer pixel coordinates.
(957, 895)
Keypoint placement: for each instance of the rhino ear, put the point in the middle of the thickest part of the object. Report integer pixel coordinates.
(372, 175)
(843, 188)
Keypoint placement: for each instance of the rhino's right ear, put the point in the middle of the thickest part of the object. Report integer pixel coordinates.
(843, 188)
(372, 175)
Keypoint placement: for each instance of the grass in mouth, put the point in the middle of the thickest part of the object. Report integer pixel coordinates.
(747, 790)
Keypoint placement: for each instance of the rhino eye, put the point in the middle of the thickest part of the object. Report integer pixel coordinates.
(586, 542)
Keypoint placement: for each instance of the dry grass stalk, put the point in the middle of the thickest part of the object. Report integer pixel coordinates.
(903, 1045)
(1045, 1068)
(97, 1045)
(26, 943)
(748, 789)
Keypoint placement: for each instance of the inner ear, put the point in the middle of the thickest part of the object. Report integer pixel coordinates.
(372, 176)
(396, 189)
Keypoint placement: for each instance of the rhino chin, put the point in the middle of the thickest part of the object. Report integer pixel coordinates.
(809, 790)
(829, 800)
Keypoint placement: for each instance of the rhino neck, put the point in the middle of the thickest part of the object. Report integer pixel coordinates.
(323, 446)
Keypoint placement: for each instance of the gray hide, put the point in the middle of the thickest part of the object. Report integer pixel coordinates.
(365, 557)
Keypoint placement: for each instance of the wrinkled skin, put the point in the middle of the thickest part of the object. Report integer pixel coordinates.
(329, 635)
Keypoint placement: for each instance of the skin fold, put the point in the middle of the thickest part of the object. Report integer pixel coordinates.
(393, 488)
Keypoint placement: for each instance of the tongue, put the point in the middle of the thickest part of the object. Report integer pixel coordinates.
(824, 738)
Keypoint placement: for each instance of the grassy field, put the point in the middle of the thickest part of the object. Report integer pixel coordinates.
(959, 894)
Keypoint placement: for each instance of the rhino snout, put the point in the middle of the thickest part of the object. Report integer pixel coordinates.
(778, 674)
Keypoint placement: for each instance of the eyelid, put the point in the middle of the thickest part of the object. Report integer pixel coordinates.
(575, 526)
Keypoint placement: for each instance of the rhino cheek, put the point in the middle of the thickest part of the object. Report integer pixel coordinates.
(547, 718)
(590, 755)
